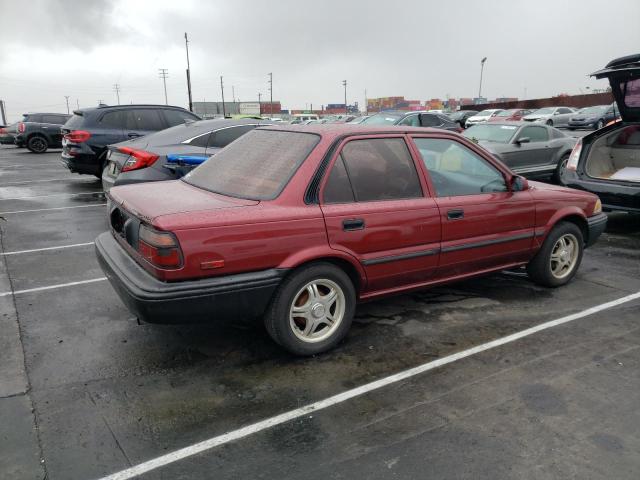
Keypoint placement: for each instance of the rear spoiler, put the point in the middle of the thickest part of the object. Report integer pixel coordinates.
(78, 112)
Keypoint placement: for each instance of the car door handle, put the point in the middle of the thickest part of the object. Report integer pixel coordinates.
(455, 214)
(353, 224)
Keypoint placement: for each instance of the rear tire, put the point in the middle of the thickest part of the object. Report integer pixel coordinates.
(37, 144)
(562, 165)
(312, 310)
(559, 258)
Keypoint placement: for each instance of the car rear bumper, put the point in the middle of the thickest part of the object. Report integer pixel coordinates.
(82, 163)
(615, 196)
(226, 298)
(596, 225)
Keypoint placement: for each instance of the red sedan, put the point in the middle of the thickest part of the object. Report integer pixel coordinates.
(512, 115)
(296, 224)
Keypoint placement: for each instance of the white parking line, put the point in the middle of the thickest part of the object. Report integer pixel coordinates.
(52, 287)
(53, 195)
(56, 208)
(17, 165)
(34, 250)
(233, 435)
(8, 184)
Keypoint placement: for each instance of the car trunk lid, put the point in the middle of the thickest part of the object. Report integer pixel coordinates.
(624, 77)
(149, 201)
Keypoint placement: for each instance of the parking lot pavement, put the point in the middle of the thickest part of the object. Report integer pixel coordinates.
(108, 394)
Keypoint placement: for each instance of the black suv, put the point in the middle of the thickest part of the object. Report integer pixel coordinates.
(90, 130)
(40, 131)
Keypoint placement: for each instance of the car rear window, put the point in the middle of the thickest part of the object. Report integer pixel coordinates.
(75, 121)
(257, 166)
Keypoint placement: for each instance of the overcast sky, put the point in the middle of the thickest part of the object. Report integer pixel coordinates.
(416, 48)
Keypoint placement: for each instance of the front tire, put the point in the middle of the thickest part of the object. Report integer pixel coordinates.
(37, 144)
(598, 125)
(558, 259)
(312, 310)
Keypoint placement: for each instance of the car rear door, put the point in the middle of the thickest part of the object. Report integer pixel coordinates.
(377, 209)
(142, 121)
(51, 126)
(484, 225)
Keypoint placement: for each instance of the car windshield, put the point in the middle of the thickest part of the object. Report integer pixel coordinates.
(544, 111)
(382, 119)
(593, 110)
(491, 132)
(257, 166)
(485, 113)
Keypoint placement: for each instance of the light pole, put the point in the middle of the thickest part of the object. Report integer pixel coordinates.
(186, 44)
(270, 94)
(481, 71)
(344, 84)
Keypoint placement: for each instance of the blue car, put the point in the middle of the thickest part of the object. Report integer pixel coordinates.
(594, 117)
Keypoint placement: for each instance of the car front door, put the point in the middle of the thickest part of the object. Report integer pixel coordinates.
(377, 209)
(485, 225)
(530, 150)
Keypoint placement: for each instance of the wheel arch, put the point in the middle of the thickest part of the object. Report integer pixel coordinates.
(573, 215)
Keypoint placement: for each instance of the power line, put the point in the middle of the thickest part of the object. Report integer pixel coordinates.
(116, 88)
(164, 73)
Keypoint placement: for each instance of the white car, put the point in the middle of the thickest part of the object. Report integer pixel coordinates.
(552, 116)
(482, 116)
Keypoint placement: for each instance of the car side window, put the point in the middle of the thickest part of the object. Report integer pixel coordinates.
(50, 119)
(430, 120)
(112, 119)
(338, 188)
(223, 137)
(149, 119)
(201, 141)
(381, 169)
(176, 117)
(456, 170)
(534, 134)
(410, 121)
(565, 110)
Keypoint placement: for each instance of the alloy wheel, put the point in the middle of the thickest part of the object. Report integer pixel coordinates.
(564, 256)
(317, 310)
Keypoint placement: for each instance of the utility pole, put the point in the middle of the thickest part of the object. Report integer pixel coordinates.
(164, 73)
(224, 111)
(116, 88)
(186, 44)
(233, 93)
(481, 71)
(78, 103)
(366, 103)
(66, 97)
(259, 103)
(271, 94)
(344, 84)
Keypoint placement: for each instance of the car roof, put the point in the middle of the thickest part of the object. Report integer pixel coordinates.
(127, 107)
(341, 129)
(47, 113)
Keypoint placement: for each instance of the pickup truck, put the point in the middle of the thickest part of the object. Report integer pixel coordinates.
(40, 131)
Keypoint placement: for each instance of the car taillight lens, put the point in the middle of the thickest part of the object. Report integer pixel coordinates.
(138, 158)
(160, 249)
(77, 136)
(572, 163)
(2, 130)
(21, 127)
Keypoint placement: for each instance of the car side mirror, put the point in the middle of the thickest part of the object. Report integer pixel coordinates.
(523, 140)
(556, 113)
(519, 184)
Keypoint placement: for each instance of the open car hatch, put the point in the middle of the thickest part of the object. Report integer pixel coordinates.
(624, 77)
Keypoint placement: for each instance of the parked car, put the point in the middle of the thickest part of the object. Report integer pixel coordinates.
(413, 119)
(461, 116)
(297, 224)
(301, 118)
(482, 116)
(358, 120)
(171, 153)
(7, 134)
(88, 132)
(534, 151)
(40, 131)
(552, 116)
(594, 117)
(607, 161)
(511, 115)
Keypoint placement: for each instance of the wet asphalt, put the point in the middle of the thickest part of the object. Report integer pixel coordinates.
(85, 391)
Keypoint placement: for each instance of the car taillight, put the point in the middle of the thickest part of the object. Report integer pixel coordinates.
(160, 249)
(77, 136)
(139, 158)
(2, 130)
(572, 163)
(21, 127)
